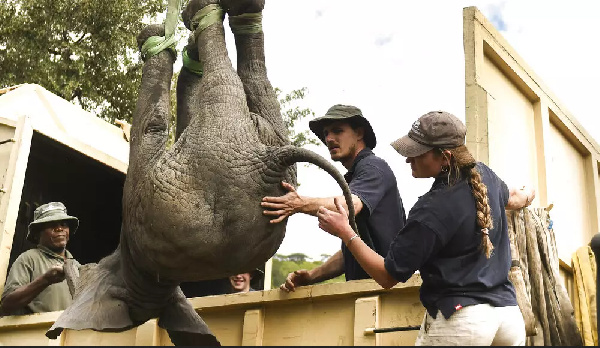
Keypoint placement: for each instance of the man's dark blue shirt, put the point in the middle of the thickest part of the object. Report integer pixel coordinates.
(371, 179)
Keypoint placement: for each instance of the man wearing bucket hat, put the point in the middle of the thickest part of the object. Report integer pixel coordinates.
(36, 281)
(456, 235)
(377, 203)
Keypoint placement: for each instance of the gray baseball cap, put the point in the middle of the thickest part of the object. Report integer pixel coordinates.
(435, 129)
(341, 112)
(53, 211)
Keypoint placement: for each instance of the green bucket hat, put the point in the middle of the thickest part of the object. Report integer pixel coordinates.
(341, 112)
(53, 211)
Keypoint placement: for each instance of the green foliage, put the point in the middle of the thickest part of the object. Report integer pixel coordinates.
(285, 264)
(84, 51)
(292, 114)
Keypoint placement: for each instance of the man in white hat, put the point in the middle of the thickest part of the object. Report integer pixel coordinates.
(36, 282)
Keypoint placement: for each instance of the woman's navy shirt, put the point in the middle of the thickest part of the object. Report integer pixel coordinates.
(442, 240)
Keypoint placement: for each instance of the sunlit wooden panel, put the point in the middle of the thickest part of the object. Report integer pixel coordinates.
(511, 130)
(566, 175)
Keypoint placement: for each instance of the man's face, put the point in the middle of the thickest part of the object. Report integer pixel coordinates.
(342, 141)
(240, 282)
(54, 235)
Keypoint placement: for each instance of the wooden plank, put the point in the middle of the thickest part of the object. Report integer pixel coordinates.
(147, 334)
(11, 197)
(366, 316)
(253, 327)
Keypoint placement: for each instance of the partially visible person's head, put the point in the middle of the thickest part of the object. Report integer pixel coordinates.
(434, 147)
(52, 227)
(240, 282)
(345, 131)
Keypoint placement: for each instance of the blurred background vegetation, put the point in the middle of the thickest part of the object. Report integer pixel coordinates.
(285, 264)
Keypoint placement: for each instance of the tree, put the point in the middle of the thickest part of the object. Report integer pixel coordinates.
(83, 51)
(292, 114)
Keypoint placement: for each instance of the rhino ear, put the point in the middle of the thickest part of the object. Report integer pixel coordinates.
(72, 275)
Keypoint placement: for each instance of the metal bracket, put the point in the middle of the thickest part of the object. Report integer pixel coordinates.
(11, 140)
(371, 330)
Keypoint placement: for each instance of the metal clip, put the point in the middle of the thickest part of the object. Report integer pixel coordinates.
(371, 330)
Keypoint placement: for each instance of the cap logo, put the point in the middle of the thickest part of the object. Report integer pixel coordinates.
(416, 128)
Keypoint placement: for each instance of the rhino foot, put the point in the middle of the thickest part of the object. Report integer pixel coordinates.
(238, 7)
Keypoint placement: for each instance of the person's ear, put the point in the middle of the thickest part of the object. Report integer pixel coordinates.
(446, 156)
(360, 132)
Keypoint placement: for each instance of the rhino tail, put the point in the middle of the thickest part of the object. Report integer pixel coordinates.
(288, 155)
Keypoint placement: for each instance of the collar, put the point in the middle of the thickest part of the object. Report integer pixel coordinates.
(54, 255)
(362, 154)
(441, 181)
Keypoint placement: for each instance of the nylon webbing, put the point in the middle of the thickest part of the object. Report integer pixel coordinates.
(206, 17)
(191, 64)
(246, 23)
(156, 44)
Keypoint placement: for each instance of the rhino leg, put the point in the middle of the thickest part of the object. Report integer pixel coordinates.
(188, 90)
(149, 131)
(245, 20)
(220, 87)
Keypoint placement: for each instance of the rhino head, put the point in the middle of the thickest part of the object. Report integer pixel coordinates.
(192, 211)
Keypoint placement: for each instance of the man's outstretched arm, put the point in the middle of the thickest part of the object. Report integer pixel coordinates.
(291, 203)
(333, 267)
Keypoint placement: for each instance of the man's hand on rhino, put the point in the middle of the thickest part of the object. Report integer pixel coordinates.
(283, 206)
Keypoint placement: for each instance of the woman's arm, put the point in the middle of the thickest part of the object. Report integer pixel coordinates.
(337, 224)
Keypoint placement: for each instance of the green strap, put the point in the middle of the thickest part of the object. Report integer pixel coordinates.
(156, 44)
(191, 64)
(246, 23)
(206, 17)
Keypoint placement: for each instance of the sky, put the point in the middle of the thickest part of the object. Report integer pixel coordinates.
(397, 60)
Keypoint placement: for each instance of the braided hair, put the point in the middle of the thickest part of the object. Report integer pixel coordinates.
(462, 165)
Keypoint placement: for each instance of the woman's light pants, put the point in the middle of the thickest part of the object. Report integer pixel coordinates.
(477, 325)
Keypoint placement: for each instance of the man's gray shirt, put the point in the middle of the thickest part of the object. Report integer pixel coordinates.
(31, 265)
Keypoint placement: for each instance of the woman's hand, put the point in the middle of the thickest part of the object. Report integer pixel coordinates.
(335, 223)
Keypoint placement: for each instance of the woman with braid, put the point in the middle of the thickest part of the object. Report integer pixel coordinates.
(455, 235)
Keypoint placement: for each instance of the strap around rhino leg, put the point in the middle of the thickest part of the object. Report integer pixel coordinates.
(190, 64)
(246, 23)
(206, 17)
(156, 44)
